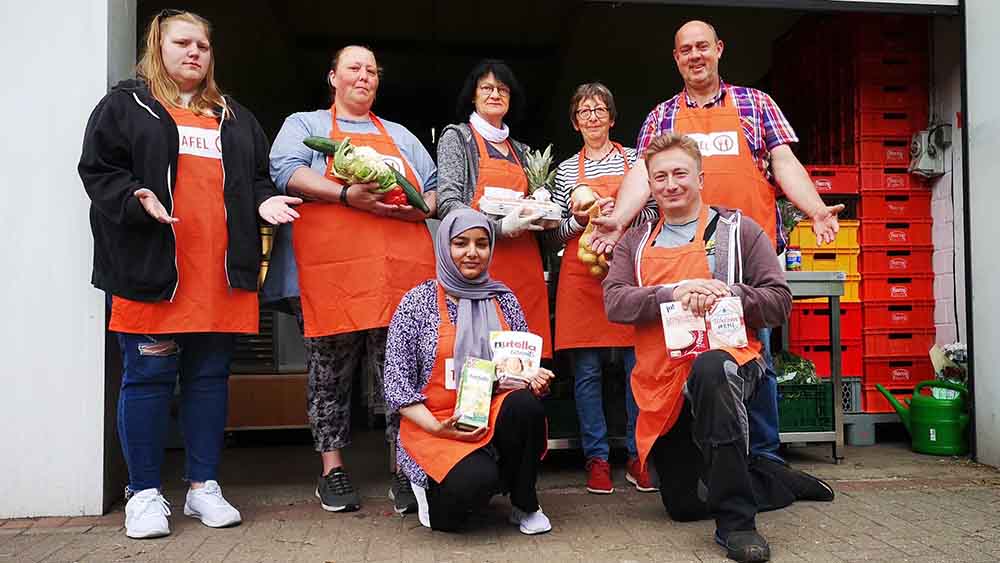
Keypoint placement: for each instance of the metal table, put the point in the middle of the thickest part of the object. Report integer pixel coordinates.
(831, 286)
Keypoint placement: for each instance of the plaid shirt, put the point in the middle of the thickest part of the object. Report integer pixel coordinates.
(764, 126)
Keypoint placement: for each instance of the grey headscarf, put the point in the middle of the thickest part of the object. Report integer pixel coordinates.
(477, 315)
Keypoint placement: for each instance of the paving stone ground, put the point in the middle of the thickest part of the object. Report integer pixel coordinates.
(892, 505)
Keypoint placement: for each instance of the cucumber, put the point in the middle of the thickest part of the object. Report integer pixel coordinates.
(329, 147)
(324, 145)
(412, 193)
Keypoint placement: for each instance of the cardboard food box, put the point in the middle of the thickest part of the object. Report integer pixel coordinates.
(475, 393)
(500, 202)
(684, 334)
(515, 355)
(726, 326)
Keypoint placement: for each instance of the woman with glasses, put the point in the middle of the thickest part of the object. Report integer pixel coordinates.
(177, 177)
(581, 325)
(479, 152)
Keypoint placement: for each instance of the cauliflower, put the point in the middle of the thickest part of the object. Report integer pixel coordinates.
(360, 165)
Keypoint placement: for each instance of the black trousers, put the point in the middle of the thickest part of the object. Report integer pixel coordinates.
(703, 461)
(509, 463)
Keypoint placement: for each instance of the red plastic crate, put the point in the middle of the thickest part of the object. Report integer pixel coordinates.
(911, 342)
(873, 401)
(890, 205)
(897, 371)
(906, 96)
(811, 321)
(891, 122)
(884, 152)
(834, 179)
(818, 351)
(908, 287)
(890, 179)
(897, 261)
(898, 315)
(897, 68)
(889, 33)
(907, 234)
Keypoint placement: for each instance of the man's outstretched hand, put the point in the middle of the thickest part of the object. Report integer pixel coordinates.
(607, 231)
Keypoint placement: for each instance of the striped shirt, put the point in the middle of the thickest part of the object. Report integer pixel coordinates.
(567, 178)
(764, 126)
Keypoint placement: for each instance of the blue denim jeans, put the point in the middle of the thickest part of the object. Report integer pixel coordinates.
(152, 367)
(764, 439)
(590, 401)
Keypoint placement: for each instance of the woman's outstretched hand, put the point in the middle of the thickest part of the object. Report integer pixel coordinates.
(278, 209)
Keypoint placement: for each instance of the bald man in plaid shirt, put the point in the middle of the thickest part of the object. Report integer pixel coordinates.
(744, 139)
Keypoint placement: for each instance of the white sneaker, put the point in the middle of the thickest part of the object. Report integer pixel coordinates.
(208, 505)
(146, 515)
(530, 523)
(423, 509)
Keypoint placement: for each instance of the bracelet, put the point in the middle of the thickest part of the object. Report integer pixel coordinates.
(343, 195)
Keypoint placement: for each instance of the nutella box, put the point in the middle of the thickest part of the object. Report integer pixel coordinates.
(726, 326)
(475, 393)
(685, 334)
(515, 355)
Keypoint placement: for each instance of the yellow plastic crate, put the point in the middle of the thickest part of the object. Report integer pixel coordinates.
(830, 261)
(802, 236)
(852, 291)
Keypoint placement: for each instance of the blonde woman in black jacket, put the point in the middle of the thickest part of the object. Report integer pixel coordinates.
(177, 174)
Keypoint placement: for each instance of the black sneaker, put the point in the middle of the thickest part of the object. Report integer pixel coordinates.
(745, 546)
(336, 493)
(401, 494)
(804, 485)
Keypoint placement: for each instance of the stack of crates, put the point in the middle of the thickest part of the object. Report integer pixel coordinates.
(895, 206)
(856, 87)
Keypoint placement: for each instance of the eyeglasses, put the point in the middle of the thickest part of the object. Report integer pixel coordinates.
(488, 89)
(585, 113)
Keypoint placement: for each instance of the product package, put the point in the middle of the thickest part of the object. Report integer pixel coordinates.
(686, 335)
(515, 355)
(726, 326)
(475, 392)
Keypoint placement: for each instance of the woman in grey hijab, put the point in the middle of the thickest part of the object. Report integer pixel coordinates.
(437, 325)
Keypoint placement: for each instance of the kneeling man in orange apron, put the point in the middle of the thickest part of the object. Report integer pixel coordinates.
(693, 422)
(437, 325)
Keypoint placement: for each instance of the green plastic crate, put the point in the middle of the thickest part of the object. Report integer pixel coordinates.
(805, 408)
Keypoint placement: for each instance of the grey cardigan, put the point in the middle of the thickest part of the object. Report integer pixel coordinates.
(458, 169)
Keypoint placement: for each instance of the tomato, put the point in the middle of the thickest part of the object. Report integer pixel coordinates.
(395, 196)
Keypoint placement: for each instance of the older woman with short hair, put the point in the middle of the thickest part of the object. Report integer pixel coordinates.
(582, 329)
(479, 152)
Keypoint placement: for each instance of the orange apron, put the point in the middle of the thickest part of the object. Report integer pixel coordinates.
(580, 318)
(354, 266)
(436, 456)
(203, 301)
(657, 380)
(517, 262)
(732, 179)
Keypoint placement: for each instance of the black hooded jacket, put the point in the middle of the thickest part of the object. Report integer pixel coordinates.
(131, 142)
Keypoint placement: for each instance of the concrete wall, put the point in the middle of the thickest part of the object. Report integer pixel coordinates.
(52, 334)
(946, 203)
(983, 119)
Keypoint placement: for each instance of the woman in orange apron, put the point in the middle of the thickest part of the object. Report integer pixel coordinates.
(438, 324)
(693, 420)
(581, 325)
(480, 153)
(343, 269)
(176, 176)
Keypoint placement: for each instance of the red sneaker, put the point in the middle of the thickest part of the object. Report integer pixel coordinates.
(599, 477)
(639, 477)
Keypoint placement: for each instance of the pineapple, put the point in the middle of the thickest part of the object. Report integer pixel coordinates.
(536, 167)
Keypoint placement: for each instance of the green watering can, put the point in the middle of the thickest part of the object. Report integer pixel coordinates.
(936, 426)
